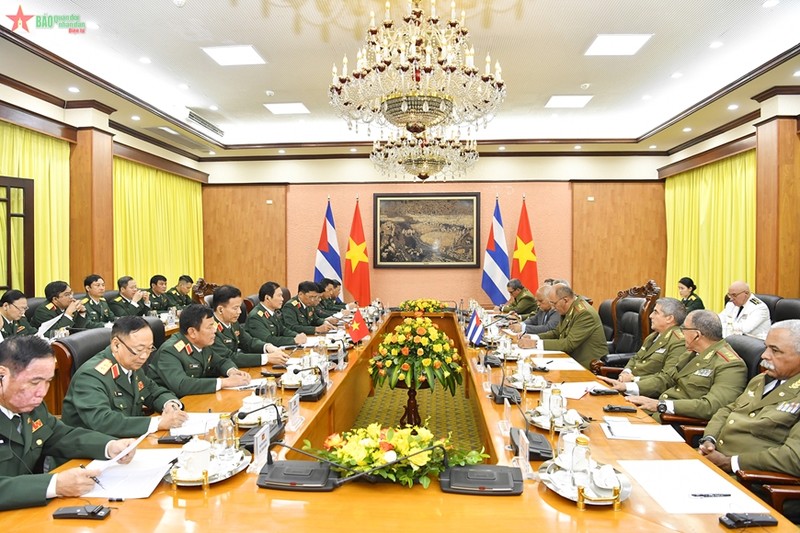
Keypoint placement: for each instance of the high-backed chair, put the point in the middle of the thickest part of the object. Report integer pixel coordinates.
(251, 301)
(79, 295)
(750, 350)
(785, 309)
(201, 289)
(287, 294)
(110, 295)
(771, 300)
(243, 314)
(33, 304)
(608, 322)
(70, 353)
(159, 334)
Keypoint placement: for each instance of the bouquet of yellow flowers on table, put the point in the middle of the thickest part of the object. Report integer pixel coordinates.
(422, 305)
(416, 355)
(363, 449)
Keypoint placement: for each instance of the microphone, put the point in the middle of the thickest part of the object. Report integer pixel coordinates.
(501, 392)
(242, 415)
(309, 369)
(304, 476)
(247, 440)
(341, 481)
(539, 448)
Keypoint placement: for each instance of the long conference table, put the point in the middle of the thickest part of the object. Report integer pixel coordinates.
(238, 503)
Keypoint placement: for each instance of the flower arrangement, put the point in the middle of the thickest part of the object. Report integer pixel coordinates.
(363, 449)
(422, 305)
(417, 354)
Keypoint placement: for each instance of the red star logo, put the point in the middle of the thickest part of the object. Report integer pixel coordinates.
(20, 19)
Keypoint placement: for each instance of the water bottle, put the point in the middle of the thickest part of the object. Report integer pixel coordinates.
(557, 404)
(226, 438)
(271, 390)
(580, 464)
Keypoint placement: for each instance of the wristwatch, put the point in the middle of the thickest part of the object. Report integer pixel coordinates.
(662, 407)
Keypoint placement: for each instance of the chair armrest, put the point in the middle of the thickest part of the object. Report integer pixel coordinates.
(778, 495)
(748, 477)
(618, 360)
(610, 371)
(667, 418)
(690, 433)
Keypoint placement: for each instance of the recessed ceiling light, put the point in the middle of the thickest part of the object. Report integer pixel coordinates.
(577, 146)
(617, 44)
(568, 100)
(687, 130)
(281, 151)
(213, 108)
(269, 93)
(647, 97)
(212, 152)
(293, 108)
(771, 3)
(73, 90)
(168, 130)
(653, 146)
(715, 44)
(234, 55)
(733, 107)
(145, 60)
(796, 74)
(136, 117)
(676, 75)
(501, 148)
(354, 149)
(183, 87)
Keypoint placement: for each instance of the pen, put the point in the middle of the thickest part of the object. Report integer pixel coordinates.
(611, 432)
(548, 362)
(711, 495)
(94, 478)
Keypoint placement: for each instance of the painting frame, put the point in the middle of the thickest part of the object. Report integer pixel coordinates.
(409, 230)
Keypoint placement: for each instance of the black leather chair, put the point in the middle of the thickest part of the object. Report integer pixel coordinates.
(159, 335)
(79, 295)
(628, 334)
(771, 300)
(785, 309)
(110, 295)
(243, 314)
(750, 350)
(33, 304)
(608, 323)
(287, 294)
(253, 299)
(84, 345)
(207, 299)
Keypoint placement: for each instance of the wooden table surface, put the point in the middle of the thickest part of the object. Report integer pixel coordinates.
(237, 503)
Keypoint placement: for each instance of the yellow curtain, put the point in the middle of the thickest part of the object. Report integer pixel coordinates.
(28, 154)
(711, 233)
(158, 224)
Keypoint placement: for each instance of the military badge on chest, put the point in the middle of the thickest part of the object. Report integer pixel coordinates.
(703, 372)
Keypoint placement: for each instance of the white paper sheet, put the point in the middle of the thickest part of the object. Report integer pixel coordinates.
(114, 460)
(554, 363)
(575, 390)
(254, 383)
(138, 479)
(649, 432)
(689, 486)
(196, 424)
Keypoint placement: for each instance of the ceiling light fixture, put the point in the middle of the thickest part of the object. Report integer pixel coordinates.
(733, 107)
(653, 147)
(213, 108)
(687, 130)
(136, 118)
(234, 55)
(574, 101)
(501, 148)
(73, 90)
(424, 154)
(292, 108)
(145, 60)
(617, 44)
(281, 151)
(796, 74)
(578, 147)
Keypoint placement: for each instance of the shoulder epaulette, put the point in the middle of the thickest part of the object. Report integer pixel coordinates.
(727, 354)
(180, 346)
(104, 366)
(295, 303)
(85, 301)
(102, 298)
(581, 305)
(50, 306)
(118, 299)
(692, 297)
(678, 333)
(755, 300)
(260, 312)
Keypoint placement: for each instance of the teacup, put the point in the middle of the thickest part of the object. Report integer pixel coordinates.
(251, 403)
(195, 457)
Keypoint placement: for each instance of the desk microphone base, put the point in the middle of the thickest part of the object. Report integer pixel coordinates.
(302, 476)
(539, 448)
(482, 480)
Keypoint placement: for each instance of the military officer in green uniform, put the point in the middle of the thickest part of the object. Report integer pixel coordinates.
(522, 301)
(760, 430)
(265, 321)
(299, 313)
(232, 340)
(330, 304)
(158, 294)
(662, 348)
(580, 332)
(109, 391)
(98, 313)
(28, 432)
(131, 301)
(178, 296)
(185, 363)
(13, 305)
(61, 309)
(708, 376)
(689, 299)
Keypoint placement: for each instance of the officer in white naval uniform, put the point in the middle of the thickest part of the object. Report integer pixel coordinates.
(744, 314)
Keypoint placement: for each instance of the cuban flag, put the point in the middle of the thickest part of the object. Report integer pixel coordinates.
(328, 263)
(495, 261)
(475, 329)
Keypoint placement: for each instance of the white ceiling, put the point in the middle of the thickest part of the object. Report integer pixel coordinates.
(539, 43)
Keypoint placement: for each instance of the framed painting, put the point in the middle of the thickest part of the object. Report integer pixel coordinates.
(426, 230)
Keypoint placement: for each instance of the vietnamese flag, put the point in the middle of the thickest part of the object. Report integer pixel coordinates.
(357, 329)
(356, 266)
(524, 266)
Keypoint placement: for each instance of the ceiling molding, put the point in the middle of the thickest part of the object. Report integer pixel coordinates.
(741, 121)
(36, 122)
(151, 140)
(777, 117)
(32, 91)
(779, 90)
(145, 158)
(709, 156)
(90, 104)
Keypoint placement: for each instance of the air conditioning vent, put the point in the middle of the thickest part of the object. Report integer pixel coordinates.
(197, 119)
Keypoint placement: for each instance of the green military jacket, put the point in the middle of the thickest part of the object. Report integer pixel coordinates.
(579, 334)
(692, 303)
(300, 318)
(524, 304)
(101, 397)
(121, 307)
(158, 302)
(49, 311)
(20, 454)
(184, 369)
(237, 344)
(176, 299)
(97, 314)
(269, 327)
(326, 308)
(763, 432)
(17, 327)
(699, 384)
(658, 353)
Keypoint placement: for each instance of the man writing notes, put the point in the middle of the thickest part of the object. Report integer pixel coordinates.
(545, 319)
(708, 376)
(759, 430)
(28, 432)
(131, 301)
(522, 301)
(744, 314)
(662, 348)
(299, 313)
(185, 363)
(109, 391)
(265, 321)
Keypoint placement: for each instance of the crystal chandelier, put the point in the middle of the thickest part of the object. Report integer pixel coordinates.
(417, 74)
(424, 154)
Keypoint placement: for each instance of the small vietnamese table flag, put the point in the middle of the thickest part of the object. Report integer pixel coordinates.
(357, 329)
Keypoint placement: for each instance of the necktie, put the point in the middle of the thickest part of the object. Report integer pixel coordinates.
(771, 387)
(16, 420)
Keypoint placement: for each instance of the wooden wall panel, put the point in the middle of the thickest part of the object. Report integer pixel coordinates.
(244, 236)
(619, 237)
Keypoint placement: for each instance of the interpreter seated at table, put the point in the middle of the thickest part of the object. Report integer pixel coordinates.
(759, 430)
(663, 347)
(300, 313)
(185, 363)
(232, 340)
(708, 376)
(545, 319)
(108, 392)
(28, 432)
(265, 321)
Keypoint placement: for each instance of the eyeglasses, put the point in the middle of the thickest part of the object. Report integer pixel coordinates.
(150, 349)
(733, 295)
(20, 309)
(685, 329)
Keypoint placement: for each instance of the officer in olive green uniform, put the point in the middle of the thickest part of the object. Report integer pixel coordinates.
(235, 343)
(97, 313)
(13, 305)
(158, 299)
(184, 369)
(301, 318)
(102, 396)
(121, 307)
(523, 302)
(580, 332)
(692, 303)
(659, 352)
(269, 327)
(701, 383)
(17, 327)
(49, 311)
(176, 298)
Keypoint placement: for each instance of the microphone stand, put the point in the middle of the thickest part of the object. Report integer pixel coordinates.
(539, 449)
(501, 392)
(247, 440)
(341, 481)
